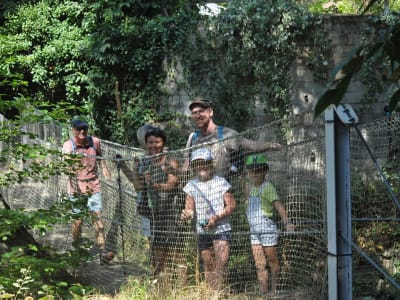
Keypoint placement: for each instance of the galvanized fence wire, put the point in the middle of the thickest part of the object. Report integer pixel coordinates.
(298, 173)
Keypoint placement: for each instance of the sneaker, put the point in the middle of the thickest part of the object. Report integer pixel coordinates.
(106, 257)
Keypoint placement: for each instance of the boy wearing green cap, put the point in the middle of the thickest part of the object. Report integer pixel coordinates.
(262, 199)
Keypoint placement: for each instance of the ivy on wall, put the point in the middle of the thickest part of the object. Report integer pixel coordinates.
(244, 55)
(112, 58)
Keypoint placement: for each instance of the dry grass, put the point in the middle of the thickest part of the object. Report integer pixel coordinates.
(162, 289)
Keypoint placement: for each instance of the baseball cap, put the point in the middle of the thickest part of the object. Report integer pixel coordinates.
(255, 161)
(79, 122)
(202, 153)
(200, 102)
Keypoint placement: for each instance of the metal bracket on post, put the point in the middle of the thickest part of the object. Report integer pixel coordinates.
(337, 131)
(346, 114)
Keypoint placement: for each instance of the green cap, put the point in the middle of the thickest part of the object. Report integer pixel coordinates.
(256, 161)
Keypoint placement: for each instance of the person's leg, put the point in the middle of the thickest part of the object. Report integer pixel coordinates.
(272, 258)
(98, 229)
(261, 267)
(178, 261)
(159, 256)
(76, 230)
(208, 259)
(95, 207)
(221, 252)
(76, 226)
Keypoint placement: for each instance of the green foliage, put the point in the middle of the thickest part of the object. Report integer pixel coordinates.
(26, 268)
(53, 57)
(243, 56)
(112, 57)
(128, 45)
(29, 269)
(352, 6)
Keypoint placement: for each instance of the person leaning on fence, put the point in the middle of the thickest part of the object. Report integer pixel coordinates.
(262, 199)
(85, 182)
(155, 178)
(209, 201)
(207, 131)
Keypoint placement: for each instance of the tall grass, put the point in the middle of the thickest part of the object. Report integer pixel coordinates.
(163, 289)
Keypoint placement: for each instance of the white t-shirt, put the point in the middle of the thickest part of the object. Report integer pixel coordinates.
(209, 201)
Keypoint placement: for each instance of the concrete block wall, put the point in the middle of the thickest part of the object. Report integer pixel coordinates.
(345, 32)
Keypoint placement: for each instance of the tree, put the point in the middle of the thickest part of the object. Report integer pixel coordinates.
(26, 268)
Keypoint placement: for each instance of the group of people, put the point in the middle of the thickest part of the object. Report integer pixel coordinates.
(208, 199)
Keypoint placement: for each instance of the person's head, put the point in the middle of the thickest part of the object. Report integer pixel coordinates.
(202, 111)
(257, 167)
(201, 162)
(79, 128)
(155, 139)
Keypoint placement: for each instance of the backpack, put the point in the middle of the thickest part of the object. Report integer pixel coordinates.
(220, 133)
(236, 157)
(91, 145)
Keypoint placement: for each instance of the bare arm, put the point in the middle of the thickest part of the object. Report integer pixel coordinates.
(282, 212)
(258, 146)
(230, 205)
(185, 166)
(104, 167)
(188, 211)
(172, 180)
(133, 175)
(102, 162)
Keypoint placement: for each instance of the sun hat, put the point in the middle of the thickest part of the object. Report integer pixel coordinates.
(202, 153)
(255, 161)
(141, 133)
(79, 122)
(198, 101)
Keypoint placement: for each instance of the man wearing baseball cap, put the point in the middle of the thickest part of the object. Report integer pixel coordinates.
(207, 131)
(85, 183)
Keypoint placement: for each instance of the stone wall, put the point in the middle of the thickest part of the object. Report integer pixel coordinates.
(344, 33)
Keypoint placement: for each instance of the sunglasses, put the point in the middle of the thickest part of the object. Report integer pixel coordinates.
(80, 128)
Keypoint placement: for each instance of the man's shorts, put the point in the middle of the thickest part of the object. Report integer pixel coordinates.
(94, 203)
(267, 235)
(206, 240)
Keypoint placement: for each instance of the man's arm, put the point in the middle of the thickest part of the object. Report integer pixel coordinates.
(104, 167)
(258, 146)
(133, 175)
(102, 161)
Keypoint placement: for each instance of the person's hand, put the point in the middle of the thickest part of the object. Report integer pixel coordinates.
(106, 174)
(187, 214)
(290, 227)
(275, 146)
(211, 222)
(148, 179)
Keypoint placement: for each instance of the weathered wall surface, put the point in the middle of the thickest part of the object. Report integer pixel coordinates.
(344, 33)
